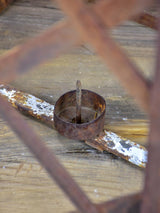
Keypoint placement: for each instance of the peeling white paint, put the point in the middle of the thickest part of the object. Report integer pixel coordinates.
(135, 153)
(36, 105)
(8, 94)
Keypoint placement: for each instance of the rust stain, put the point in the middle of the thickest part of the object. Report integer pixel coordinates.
(29, 169)
(19, 169)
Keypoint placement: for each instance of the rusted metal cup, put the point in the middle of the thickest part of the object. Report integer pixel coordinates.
(93, 108)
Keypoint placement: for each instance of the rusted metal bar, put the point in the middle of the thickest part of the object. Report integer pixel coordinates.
(147, 20)
(125, 10)
(46, 158)
(127, 204)
(151, 195)
(122, 147)
(108, 141)
(57, 40)
(4, 4)
(117, 11)
(84, 19)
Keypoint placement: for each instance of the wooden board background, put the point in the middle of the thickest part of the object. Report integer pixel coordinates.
(24, 184)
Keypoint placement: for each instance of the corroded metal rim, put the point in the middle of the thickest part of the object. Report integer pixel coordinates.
(86, 130)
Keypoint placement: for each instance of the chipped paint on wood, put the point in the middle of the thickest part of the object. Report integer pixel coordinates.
(29, 104)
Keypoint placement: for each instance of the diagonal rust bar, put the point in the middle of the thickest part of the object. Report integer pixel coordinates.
(129, 75)
(117, 11)
(130, 203)
(59, 39)
(48, 45)
(29, 104)
(46, 158)
(151, 195)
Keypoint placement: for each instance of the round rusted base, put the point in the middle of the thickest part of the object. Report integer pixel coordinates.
(92, 115)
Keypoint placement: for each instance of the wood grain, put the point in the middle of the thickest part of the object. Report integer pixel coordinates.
(25, 186)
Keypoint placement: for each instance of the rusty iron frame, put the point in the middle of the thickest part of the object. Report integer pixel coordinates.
(59, 39)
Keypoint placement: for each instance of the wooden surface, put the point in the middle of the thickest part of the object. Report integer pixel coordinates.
(24, 184)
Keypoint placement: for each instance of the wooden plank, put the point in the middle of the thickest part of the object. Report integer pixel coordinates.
(24, 184)
(37, 3)
(29, 21)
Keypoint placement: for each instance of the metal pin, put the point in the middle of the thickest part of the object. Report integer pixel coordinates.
(78, 101)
